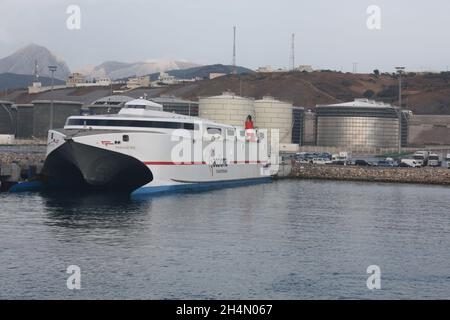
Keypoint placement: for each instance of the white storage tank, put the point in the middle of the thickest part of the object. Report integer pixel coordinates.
(227, 108)
(271, 113)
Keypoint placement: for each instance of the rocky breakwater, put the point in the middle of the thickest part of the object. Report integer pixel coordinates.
(19, 166)
(426, 175)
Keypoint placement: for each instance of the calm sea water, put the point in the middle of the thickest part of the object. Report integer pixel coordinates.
(284, 240)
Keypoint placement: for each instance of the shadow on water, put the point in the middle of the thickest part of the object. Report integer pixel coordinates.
(93, 210)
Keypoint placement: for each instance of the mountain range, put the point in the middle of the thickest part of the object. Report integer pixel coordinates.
(118, 70)
(17, 69)
(23, 62)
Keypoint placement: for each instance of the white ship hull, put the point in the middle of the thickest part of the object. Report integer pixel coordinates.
(103, 160)
(142, 150)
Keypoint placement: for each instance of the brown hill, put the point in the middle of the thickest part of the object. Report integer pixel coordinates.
(423, 94)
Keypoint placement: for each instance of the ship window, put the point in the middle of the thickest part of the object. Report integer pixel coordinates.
(230, 132)
(125, 138)
(131, 123)
(214, 130)
(132, 106)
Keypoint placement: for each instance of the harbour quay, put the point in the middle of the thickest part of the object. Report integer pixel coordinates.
(19, 163)
(423, 175)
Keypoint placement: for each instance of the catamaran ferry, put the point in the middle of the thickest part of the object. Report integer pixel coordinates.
(143, 149)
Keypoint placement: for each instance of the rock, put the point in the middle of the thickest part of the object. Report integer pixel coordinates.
(424, 175)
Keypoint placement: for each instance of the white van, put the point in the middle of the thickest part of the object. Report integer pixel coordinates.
(321, 161)
(410, 163)
(433, 160)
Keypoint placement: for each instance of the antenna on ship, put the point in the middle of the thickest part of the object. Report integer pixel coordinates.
(234, 50)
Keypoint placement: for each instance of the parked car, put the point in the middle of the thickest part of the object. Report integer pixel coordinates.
(361, 163)
(447, 160)
(303, 161)
(321, 161)
(386, 163)
(326, 155)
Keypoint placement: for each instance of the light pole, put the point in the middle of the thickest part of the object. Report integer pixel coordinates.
(52, 70)
(400, 70)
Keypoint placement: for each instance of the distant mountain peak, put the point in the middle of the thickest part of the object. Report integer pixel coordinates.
(23, 61)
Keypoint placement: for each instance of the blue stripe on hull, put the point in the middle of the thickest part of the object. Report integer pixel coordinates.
(204, 186)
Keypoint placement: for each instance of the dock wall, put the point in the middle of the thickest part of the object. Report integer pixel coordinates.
(426, 175)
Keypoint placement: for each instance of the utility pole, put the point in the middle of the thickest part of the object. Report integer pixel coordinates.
(293, 52)
(52, 70)
(234, 50)
(400, 70)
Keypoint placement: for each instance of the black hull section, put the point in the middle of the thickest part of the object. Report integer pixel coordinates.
(78, 166)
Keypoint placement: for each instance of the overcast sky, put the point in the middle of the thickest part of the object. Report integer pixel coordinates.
(329, 34)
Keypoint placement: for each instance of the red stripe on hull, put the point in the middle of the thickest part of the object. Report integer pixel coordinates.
(169, 163)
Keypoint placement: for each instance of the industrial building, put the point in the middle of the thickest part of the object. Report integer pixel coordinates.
(113, 104)
(107, 105)
(176, 105)
(429, 130)
(298, 125)
(361, 123)
(61, 111)
(7, 118)
(24, 122)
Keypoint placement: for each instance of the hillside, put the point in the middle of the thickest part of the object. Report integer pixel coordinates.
(423, 94)
(203, 71)
(10, 81)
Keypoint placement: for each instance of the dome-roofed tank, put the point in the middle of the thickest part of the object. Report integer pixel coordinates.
(227, 108)
(274, 114)
(360, 123)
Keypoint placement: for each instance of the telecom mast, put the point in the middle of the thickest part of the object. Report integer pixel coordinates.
(293, 52)
(234, 50)
(36, 71)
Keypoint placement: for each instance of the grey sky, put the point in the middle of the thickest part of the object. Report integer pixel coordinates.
(329, 34)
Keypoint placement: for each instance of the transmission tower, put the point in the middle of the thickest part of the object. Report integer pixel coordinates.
(293, 52)
(234, 50)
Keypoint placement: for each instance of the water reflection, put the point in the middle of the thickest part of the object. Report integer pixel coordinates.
(285, 240)
(73, 210)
